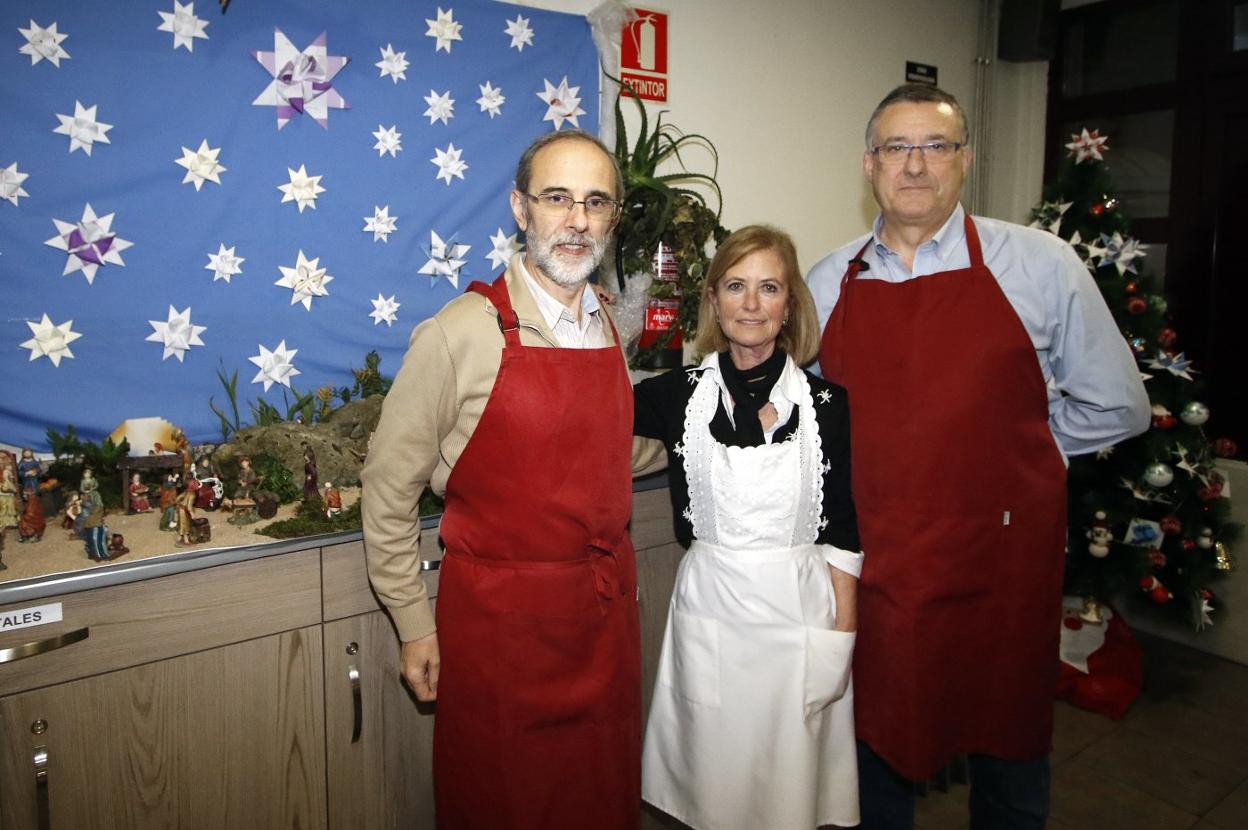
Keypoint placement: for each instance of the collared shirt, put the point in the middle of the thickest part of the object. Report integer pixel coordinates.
(1095, 394)
(588, 333)
(783, 395)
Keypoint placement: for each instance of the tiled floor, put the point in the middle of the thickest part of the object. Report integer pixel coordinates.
(1179, 759)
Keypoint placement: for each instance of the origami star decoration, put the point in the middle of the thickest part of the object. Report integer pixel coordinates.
(184, 25)
(302, 189)
(444, 29)
(445, 259)
(1087, 145)
(177, 333)
(276, 366)
(1176, 364)
(1049, 216)
(387, 141)
(51, 341)
(305, 281)
(1093, 251)
(384, 309)
(302, 80)
(1205, 611)
(520, 32)
(449, 163)
(504, 248)
(441, 107)
(44, 44)
(381, 223)
(393, 63)
(82, 128)
(90, 243)
(1122, 253)
(1185, 464)
(562, 103)
(11, 184)
(224, 264)
(491, 99)
(201, 165)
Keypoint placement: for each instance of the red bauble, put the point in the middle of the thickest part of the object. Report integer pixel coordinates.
(1131, 287)
(1210, 493)
(1189, 544)
(1097, 209)
(1164, 421)
(1206, 594)
(1148, 583)
(1137, 305)
(1156, 558)
(1160, 595)
(1171, 526)
(1225, 448)
(1166, 337)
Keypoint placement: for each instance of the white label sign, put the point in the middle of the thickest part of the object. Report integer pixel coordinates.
(27, 617)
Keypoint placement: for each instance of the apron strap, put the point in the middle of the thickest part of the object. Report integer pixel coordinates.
(972, 242)
(496, 292)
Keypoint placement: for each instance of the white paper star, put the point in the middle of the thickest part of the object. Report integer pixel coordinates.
(1206, 610)
(449, 163)
(224, 264)
(504, 247)
(1185, 464)
(82, 128)
(302, 188)
(441, 107)
(444, 30)
(11, 184)
(177, 333)
(521, 33)
(1122, 253)
(1087, 145)
(184, 25)
(384, 309)
(89, 242)
(1177, 365)
(491, 99)
(562, 103)
(201, 165)
(388, 141)
(43, 43)
(381, 223)
(302, 80)
(305, 281)
(276, 366)
(393, 63)
(1049, 216)
(445, 259)
(51, 341)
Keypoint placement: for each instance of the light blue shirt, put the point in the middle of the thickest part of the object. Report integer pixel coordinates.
(1096, 396)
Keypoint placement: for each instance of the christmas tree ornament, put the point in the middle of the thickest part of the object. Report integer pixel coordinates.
(1205, 539)
(1138, 345)
(1160, 595)
(1137, 305)
(1171, 526)
(1131, 287)
(1206, 594)
(1099, 536)
(1162, 418)
(1166, 337)
(1189, 544)
(1202, 611)
(1194, 414)
(1158, 303)
(1225, 448)
(1211, 493)
(1222, 557)
(1156, 558)
(1158, 475)
(1096, 209)
(1092, 611)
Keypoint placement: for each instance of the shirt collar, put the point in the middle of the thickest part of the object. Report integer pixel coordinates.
(551, 309)
(944, 244)
(783, 395)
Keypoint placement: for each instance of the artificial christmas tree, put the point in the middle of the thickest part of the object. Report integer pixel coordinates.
(1148, 518)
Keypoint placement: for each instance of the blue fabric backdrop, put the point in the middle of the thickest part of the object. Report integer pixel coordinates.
(161, 98)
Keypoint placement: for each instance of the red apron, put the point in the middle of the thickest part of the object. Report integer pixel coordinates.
(961, 498)
(539, 697)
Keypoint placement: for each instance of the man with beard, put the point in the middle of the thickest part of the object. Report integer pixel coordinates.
(514, 403)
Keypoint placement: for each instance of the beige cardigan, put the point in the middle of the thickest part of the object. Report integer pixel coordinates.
(427, 419)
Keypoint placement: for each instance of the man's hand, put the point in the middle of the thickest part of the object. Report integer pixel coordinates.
(420, 664)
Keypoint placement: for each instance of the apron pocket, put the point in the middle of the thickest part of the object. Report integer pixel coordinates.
(829, 655)
(694, 656)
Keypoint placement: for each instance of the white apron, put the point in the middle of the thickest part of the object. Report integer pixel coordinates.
(751, 725)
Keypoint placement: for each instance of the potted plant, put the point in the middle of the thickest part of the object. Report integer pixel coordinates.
(669, 208)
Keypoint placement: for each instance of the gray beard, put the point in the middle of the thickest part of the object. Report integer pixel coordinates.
(555, 269)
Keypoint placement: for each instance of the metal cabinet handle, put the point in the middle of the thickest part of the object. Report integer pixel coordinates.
(357, 703)
(43, 814)
(8, 655)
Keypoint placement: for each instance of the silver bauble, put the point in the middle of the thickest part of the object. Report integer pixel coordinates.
(1158, 475)
(1194, 414)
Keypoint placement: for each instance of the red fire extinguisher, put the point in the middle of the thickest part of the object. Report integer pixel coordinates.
(662, 316)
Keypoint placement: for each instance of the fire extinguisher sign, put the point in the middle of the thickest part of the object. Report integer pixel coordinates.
(643, 55)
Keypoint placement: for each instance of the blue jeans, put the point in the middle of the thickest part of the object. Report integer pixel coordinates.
(1005, 795)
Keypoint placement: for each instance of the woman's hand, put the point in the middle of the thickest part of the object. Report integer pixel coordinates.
(845, 592)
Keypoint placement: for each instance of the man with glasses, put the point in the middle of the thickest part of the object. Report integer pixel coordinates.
(513, 401)
(977, 354)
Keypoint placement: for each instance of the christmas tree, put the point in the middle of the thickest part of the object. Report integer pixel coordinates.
(1148, 518)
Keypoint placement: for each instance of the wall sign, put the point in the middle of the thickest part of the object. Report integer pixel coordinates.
(643, 55)
(920, 73)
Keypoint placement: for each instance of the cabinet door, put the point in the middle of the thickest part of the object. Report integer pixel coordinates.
(379, 744)
(228, 737)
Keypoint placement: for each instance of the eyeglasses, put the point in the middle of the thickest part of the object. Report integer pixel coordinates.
(561, 204)
(933, 152)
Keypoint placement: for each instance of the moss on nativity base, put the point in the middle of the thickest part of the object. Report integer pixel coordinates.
(310, 520)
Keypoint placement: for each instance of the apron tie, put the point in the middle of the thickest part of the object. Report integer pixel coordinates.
(605, 564)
